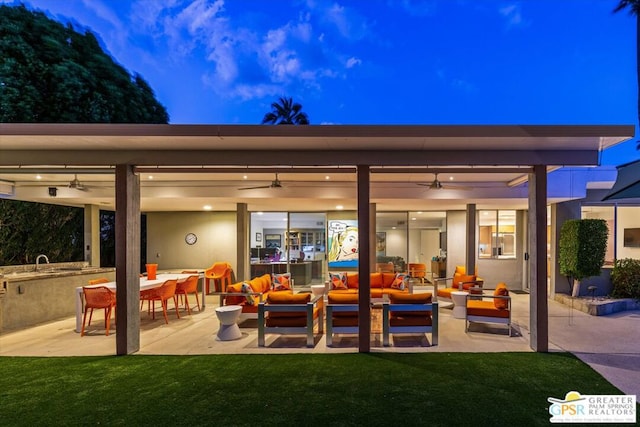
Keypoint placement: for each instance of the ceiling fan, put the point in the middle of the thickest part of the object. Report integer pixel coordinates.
(436, 184)
(77, 185)
(276, 183)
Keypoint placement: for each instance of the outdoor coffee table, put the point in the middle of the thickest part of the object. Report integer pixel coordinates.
(228, 316)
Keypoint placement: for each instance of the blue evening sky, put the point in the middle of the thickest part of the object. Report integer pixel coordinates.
(376, 61)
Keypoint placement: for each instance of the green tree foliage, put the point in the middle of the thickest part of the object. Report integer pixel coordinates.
(50, 73)
(28, 229)
(625, 278)
(583, 246)
(286, 112)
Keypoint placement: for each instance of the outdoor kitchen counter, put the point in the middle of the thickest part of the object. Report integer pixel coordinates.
(28, 298)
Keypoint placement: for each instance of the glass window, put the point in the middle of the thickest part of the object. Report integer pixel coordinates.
(391, 241)
(497, 234)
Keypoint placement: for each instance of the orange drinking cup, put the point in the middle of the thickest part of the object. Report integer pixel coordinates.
(151, 271)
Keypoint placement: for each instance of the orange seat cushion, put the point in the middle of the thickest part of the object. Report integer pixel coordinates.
(424, 298)
(286, 297)
(462, 278)
(485, 308)
(388, 279)
(405, 298)
(352, 280)
(342, 298)
(375, 280)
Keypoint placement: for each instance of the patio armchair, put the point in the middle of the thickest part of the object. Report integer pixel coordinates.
(98, 297)
(410, 314)
(288, 313)
(162, 293)
(221, 273)
(459, 282)
(187, 286)
(342, 315)
(418, 271)
(494, 308)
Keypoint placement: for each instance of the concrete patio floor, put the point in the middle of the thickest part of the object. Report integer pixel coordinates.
(610, 344)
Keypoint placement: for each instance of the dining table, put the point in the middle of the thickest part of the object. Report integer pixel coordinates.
(144, 285)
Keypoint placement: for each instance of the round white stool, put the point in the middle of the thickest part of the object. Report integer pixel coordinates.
(459, 299)
(228, 316)
(317, 290)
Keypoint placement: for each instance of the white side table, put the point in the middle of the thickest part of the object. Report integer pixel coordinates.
(317, 290)
(228, 316)
(459, 299)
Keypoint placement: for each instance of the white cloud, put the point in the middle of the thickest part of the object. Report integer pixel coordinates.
(352, 62)
(513, 15)
(250, 62)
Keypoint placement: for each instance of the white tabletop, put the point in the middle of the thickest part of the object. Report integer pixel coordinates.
(144, 284)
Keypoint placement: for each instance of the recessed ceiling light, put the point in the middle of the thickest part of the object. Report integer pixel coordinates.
(38, 177)
(339, 207)
(413, 219)
(450, 178)
(393, 228)
(419, 212)
(327, 177)
(207, 207)
(150, 176)
(244, 177)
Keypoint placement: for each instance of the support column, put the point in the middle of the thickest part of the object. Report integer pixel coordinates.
(92, 235)
(539, 310)
(470, 252)
(364, 257)
(243, 242)
(127, 260)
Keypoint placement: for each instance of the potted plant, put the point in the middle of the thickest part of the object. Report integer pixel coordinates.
(583, 244)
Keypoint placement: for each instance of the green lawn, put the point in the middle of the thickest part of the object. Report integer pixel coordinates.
(387, 389)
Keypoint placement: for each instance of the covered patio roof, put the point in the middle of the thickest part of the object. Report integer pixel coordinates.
(201, 164)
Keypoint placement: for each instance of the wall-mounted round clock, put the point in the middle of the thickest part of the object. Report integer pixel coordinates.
(190, 238)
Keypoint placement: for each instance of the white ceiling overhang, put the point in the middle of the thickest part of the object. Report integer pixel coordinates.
(205, 164)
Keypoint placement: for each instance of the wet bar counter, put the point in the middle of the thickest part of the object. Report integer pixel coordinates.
(28, 298)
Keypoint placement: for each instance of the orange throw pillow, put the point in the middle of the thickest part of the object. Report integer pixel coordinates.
(281, 282)
(338, 280)
(501, 303)
(462, 278)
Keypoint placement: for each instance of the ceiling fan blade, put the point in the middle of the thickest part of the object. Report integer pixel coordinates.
(255, 188)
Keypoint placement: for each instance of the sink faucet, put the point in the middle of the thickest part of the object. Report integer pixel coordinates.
(38, 260)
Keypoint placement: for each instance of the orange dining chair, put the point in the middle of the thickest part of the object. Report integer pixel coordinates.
(99, 281)
(162, 293)
(187, 286)
(98, 297)
(218, 272)
(418, 271)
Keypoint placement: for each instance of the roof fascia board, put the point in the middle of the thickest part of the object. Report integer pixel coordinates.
(300, 157)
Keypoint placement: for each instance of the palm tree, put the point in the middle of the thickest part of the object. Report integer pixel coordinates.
(286, 112)
(633, 6)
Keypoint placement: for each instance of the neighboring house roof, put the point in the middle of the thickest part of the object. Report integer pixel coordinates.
(627, 185)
